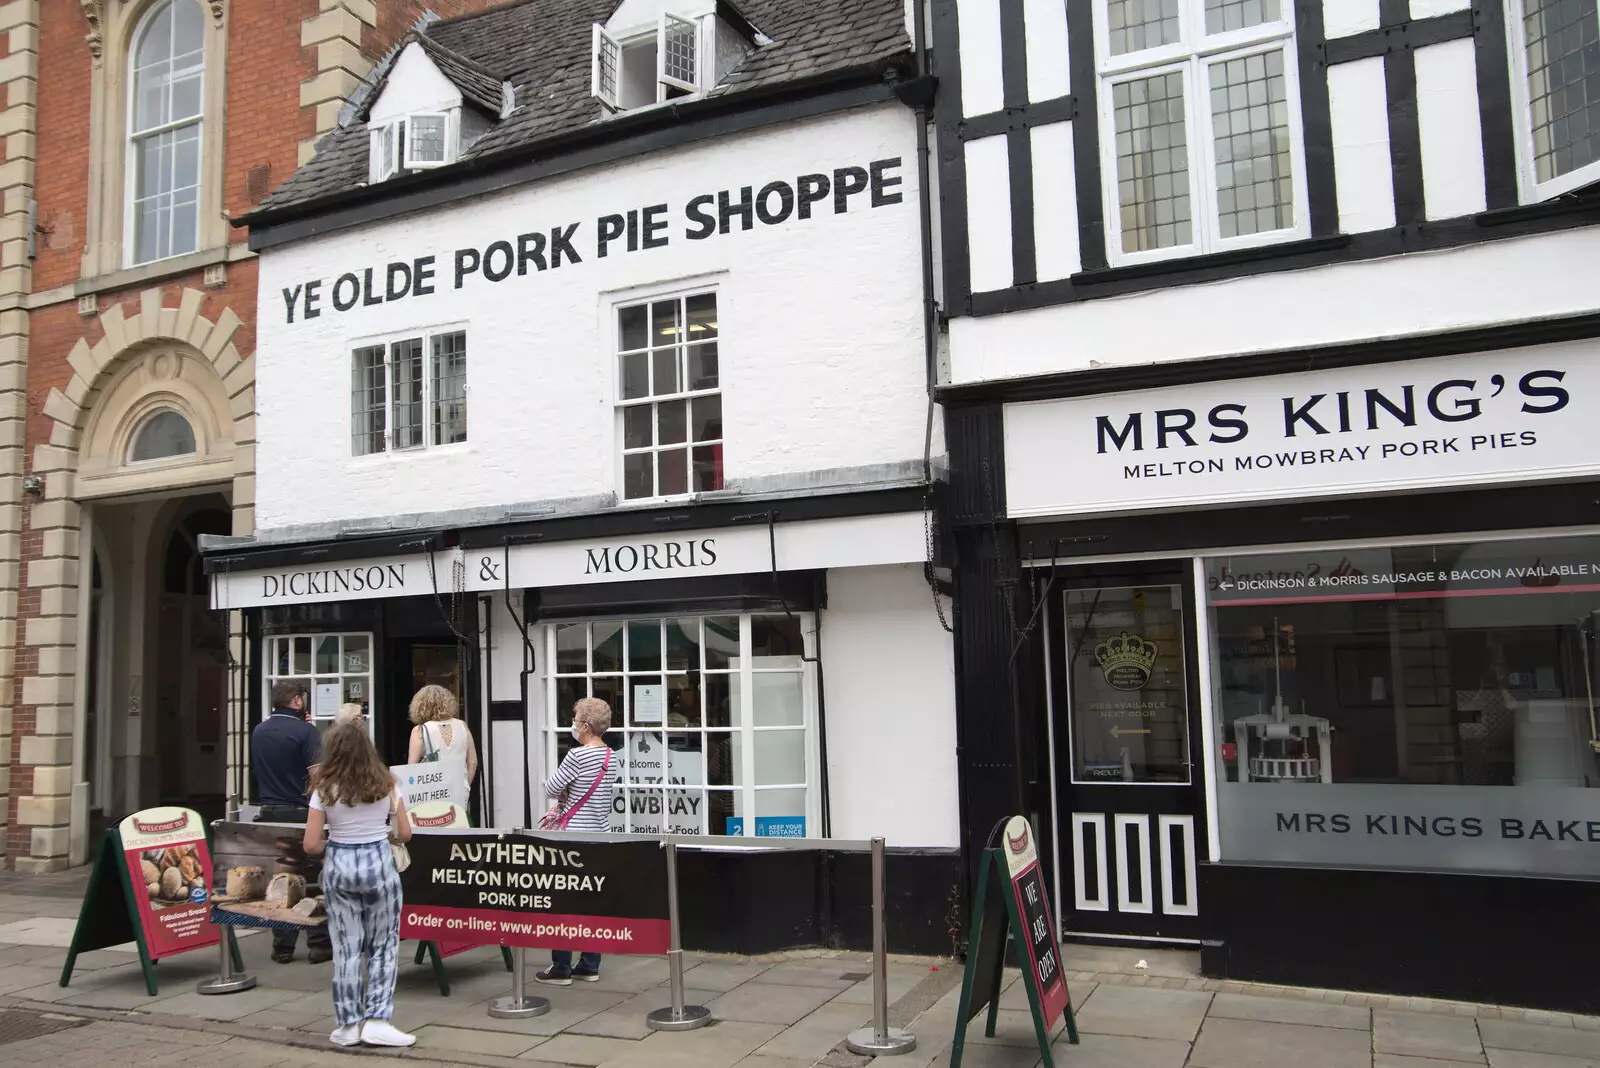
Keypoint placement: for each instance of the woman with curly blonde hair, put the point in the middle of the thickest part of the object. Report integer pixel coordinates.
(439, 732)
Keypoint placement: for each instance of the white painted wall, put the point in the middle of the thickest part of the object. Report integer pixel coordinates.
(508, 771)
(1341, 18)
(1452, 136)
(889, 693)
(989, 212)
(1055, 206)
(1426, 9)
(982, 89)
(1533, 277)
(1049, 74)
(820, 319)
(1363, 173)
(414, 84)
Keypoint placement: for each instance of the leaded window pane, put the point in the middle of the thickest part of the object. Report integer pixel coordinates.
(1152, 163)
(1250, 139)
(1563, 43)
(1136, 25)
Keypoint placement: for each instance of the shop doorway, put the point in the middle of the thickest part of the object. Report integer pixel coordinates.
(156, 658)
(414, 664)
(1125, 736)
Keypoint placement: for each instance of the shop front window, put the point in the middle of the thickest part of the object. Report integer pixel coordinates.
(1421, 706)
(1130, 712)
(335, 669)
(712, 719)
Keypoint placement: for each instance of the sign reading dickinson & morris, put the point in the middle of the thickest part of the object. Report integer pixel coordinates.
(1454, 420)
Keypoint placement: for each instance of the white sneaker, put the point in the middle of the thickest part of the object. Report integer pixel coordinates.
(384, 1033)
(348, 1035)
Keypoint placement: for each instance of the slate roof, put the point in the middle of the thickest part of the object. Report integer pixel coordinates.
(477, 83)
(543, 48)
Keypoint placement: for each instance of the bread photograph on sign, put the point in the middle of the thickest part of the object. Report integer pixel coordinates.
(173, 876)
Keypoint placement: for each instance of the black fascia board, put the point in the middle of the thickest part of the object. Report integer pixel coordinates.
(627, 522)
(218, 559)
(619, 137)
(1060, 384)
(698, 515)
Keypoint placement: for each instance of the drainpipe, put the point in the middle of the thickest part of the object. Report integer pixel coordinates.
(918, 94)
(78, 810)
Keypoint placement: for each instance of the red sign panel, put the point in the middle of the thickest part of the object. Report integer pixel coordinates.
(1038, 935)
(169, 870)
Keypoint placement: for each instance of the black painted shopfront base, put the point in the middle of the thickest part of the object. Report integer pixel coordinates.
(752, 903)
(1494, 939)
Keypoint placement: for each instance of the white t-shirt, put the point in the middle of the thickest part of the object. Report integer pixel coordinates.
(355, 824)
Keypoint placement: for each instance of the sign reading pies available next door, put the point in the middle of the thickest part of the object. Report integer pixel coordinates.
(1449, 421)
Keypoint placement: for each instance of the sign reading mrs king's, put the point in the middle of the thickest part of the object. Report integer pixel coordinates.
(1454, 420)
(874, 184)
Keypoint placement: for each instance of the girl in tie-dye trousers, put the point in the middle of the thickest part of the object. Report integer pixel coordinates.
(362, 892)
(356, 802)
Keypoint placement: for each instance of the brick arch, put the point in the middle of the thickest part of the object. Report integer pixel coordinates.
(95, 364)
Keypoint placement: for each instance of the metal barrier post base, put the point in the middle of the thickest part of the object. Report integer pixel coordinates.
(517, 1005)
(869, 1043)
(227, 981)
(686, 1019)
(511, 1007)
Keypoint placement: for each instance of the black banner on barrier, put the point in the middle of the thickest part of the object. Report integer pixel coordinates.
(539, 893)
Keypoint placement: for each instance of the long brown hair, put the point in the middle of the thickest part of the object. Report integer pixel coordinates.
(351, 770)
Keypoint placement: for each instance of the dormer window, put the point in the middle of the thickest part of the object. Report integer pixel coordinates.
(428, 141)
(638, 69)
(415, 143)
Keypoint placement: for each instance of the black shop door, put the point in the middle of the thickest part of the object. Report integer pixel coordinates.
(1124, 706)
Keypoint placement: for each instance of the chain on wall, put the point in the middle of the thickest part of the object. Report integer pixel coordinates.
(928, 529)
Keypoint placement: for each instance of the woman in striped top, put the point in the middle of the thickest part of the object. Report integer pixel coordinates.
(589, 764)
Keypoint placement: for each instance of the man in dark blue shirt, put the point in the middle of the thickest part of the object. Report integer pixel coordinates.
(284, 748)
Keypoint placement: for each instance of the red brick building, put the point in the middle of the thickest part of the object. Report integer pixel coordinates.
(134, 130)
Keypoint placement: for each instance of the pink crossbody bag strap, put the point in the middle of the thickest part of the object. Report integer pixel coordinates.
(561, 820)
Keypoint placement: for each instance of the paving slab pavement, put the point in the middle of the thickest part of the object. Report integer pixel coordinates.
(1137, 1008)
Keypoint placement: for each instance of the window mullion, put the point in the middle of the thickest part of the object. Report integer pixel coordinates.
(1202, 155)
(552, 719)
(747, 734)
(428, 371)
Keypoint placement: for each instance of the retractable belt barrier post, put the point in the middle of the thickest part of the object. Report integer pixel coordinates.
(227, 981)
(517, 1005)
(880, 1040)
(677, 1016)
(606, 893)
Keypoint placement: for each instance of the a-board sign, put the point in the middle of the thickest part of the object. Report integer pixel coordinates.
(538, 892)
(444, 779)
(440, 817)
(151, 885)
(1041, 953)
(1012, 900)
(436, 817)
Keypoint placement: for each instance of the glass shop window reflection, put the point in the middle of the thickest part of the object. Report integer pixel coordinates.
(1468, 664)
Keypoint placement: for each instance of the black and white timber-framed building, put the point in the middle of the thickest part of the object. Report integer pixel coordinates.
(1271, 338)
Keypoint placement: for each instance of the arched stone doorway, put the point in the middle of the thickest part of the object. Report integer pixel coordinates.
(151, 448)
